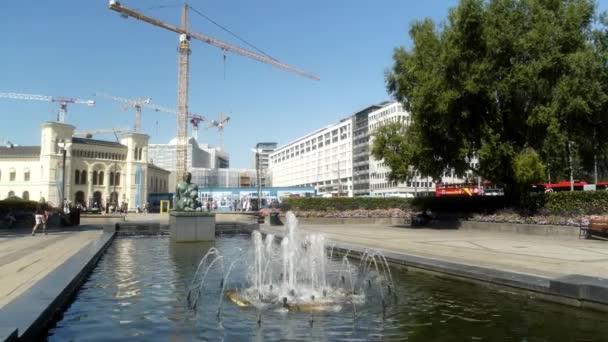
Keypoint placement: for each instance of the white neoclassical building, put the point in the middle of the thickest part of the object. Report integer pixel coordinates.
(95, 171)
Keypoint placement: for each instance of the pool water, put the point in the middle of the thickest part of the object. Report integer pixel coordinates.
(138, 292)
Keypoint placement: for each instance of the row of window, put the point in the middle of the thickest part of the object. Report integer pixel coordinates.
(138, 153)
(338, 134)
(401, 118)
(392, 109)
(98, 154)
(408, 184)
(24, 196)
(80, 177)
(12, 175)
(156, 184)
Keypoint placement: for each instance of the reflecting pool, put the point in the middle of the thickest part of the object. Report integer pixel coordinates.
(139, 291)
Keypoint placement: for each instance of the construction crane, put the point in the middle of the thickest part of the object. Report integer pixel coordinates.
(195, 119)
(63, 101)
(138, 104)
(183, 69)
(220, 123)
(89, 133)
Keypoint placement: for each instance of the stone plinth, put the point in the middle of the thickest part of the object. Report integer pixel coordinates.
(190, 226)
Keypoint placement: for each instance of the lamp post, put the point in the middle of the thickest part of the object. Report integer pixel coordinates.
(257, 173)
(64, 144)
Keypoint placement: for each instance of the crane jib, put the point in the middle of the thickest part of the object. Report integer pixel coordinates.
(115, 6)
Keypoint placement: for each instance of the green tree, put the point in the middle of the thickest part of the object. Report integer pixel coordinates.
(499, 79)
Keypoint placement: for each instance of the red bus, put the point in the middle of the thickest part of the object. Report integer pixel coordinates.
(560, 186)
(458, 189)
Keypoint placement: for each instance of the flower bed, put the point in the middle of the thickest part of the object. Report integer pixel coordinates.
(546, 219)
(395, 212)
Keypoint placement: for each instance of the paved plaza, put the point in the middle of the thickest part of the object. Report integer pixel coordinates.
(26, 259)
(542, 256)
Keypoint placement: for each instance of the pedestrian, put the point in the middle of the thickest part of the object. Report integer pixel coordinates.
(45, 218)
(39, 219)
(10, 218)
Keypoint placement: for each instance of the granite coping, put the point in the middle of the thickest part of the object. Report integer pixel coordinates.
(574, 289)
(191, 214)
(31, 313)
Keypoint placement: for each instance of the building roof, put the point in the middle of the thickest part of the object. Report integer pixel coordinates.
(86, 141)
(152, 166)
(20, 152)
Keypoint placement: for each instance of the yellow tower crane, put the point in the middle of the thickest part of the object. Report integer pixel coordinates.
(183, 65)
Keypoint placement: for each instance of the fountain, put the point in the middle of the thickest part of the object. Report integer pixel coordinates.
(300, 274)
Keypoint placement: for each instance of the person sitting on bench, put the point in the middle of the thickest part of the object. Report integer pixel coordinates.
(422, 219)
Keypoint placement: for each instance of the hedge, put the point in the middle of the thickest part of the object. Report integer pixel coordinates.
(577, 202)
(18, 205)
(344, 203)
(557, 203)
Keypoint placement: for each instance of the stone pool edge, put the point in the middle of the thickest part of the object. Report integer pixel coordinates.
(574, 290)
(29, 315)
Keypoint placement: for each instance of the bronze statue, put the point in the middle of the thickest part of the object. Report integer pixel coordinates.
(186, 195)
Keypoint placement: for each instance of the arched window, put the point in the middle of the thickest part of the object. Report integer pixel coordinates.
(12, 175)
(100, 178)
(83, 177)
(111, 178)
(11, 194)
(26, 174)
(77, 177)
(117, 178)
(25, 196)
(94, 177)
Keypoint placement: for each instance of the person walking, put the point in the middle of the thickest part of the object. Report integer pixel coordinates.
(45, 218)
(10, 218)
(39, 218)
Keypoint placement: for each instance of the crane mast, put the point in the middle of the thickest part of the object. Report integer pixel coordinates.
(183, 69)
(182, 99)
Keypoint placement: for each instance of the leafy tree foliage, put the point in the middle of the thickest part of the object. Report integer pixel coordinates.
(519, 84)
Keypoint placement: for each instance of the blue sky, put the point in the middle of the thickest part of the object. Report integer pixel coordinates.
(77, 48)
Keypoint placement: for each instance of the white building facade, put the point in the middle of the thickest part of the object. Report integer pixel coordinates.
(379, 183)
(96, 171)
(322, 159)
(336, 160)
(201, 159)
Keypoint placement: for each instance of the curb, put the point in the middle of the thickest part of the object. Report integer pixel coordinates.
(29, 315)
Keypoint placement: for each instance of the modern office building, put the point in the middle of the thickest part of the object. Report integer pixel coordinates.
(361, 150)
(199, 157)
(321, 159)
(83, 171)
(336, 159)
(264, 149)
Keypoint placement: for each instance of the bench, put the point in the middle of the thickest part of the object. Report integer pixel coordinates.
(596, 228)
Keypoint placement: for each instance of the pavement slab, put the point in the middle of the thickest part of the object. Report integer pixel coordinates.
(25, 259)
(556, 265)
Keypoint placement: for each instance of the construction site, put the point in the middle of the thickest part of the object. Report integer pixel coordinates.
(68, 168)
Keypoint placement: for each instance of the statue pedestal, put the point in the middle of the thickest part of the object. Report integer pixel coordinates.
(191, 226)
